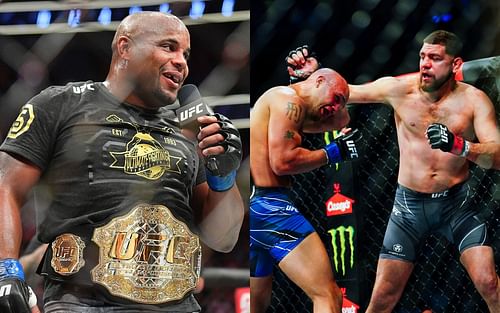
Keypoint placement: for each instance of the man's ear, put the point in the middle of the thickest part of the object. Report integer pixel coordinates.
(457, 64)
(123, 47)
(319, 80)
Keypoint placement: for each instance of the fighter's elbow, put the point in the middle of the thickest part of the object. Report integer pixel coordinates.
(223, 245)
(282, 167)
(226, 248)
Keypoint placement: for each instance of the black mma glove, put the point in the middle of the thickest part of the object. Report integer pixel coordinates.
(343, 148)
(14, 293)
(302, 73)
(221, 168)
(440, 137)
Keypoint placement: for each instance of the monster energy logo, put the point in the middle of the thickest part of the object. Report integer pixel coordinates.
(341, 231)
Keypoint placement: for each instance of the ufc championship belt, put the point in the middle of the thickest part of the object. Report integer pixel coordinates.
(147, 256)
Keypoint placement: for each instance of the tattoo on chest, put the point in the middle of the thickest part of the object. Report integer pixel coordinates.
(289, 134)
(293, 112)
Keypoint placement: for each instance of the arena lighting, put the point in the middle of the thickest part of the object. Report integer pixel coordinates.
(165, 8)
(442, 18)
(74, 17)
(227, 7)
(43, 19)
(105, 16)
(197, 9)
(134, 9)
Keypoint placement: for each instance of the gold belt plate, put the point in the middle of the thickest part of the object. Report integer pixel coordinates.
(67, 254)
(147, 256)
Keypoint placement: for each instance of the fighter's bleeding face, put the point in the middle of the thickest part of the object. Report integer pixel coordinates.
(338, 102)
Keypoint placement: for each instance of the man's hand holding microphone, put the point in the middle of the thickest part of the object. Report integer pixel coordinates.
(218, 139)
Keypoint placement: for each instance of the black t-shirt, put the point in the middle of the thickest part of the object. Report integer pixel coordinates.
(101, 157)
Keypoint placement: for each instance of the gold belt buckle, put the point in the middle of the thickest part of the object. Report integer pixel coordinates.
(147, 256)
(67, 254)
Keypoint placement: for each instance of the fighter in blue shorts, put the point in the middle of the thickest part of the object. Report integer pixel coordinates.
(279, 234)
(276, 228)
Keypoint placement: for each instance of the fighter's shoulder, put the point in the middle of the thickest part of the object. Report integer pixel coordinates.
(471, 92)
(281, 91)
(278, 94)
(60, 94)
(398, 85)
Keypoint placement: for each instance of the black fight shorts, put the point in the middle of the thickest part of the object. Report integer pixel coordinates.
(416, 215)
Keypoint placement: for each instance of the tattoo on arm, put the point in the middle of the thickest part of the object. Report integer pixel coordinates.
(293, 112)
(289, 134)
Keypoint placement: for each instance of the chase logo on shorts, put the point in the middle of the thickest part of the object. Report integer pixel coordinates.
(22, 122)
(144, 156)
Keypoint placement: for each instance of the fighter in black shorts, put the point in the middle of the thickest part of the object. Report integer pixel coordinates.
(442, 125)
(416, 214)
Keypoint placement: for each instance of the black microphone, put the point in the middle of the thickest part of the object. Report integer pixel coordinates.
(191, 107)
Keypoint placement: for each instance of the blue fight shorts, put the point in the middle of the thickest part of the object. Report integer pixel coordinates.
(415, 215)
(276, 228)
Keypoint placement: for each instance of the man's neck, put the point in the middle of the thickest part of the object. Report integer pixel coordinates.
(442, 92)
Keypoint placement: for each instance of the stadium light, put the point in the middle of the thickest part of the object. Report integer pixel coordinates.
(227, 7)
(105, 16)
(43, 19)
(197, 9)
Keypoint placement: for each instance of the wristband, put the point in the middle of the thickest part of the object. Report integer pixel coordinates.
(465, 152)
(218, 183)
(332, 153)
(11, 268)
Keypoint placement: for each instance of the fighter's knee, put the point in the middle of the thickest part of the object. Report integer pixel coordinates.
(329, 292)
(487, 285)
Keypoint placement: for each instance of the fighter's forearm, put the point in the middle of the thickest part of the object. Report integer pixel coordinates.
(297, 161)
(220, 227)
(10, 226)
(486, 155)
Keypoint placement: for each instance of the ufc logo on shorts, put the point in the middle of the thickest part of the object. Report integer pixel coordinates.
(5, 290)
(440, 194)
(444, 133)
(351, 146)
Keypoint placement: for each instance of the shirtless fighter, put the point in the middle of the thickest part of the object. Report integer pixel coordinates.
(442, 126)
(278, 232)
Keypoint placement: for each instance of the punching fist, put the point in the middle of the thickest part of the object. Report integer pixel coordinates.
(440, 137)
(343, 148)
(301, 63)
(15, 295)
(221, 167)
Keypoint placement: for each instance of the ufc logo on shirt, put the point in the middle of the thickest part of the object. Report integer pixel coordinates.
(351, 146)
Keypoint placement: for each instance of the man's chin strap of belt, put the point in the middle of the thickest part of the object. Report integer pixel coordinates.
(15, 295)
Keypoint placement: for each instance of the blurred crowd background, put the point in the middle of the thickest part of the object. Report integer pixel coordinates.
(44, 43)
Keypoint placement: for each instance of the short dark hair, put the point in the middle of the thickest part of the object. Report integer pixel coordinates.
(451, 42)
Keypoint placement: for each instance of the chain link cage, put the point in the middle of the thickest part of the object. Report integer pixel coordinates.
(438, 281)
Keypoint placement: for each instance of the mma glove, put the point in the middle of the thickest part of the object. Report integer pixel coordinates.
(440, 137)
(221, 168)
(343, 148)
(302, 74)
(15, 295)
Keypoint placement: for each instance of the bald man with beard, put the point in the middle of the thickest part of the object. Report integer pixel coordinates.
(131, 196)
(279, 234)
